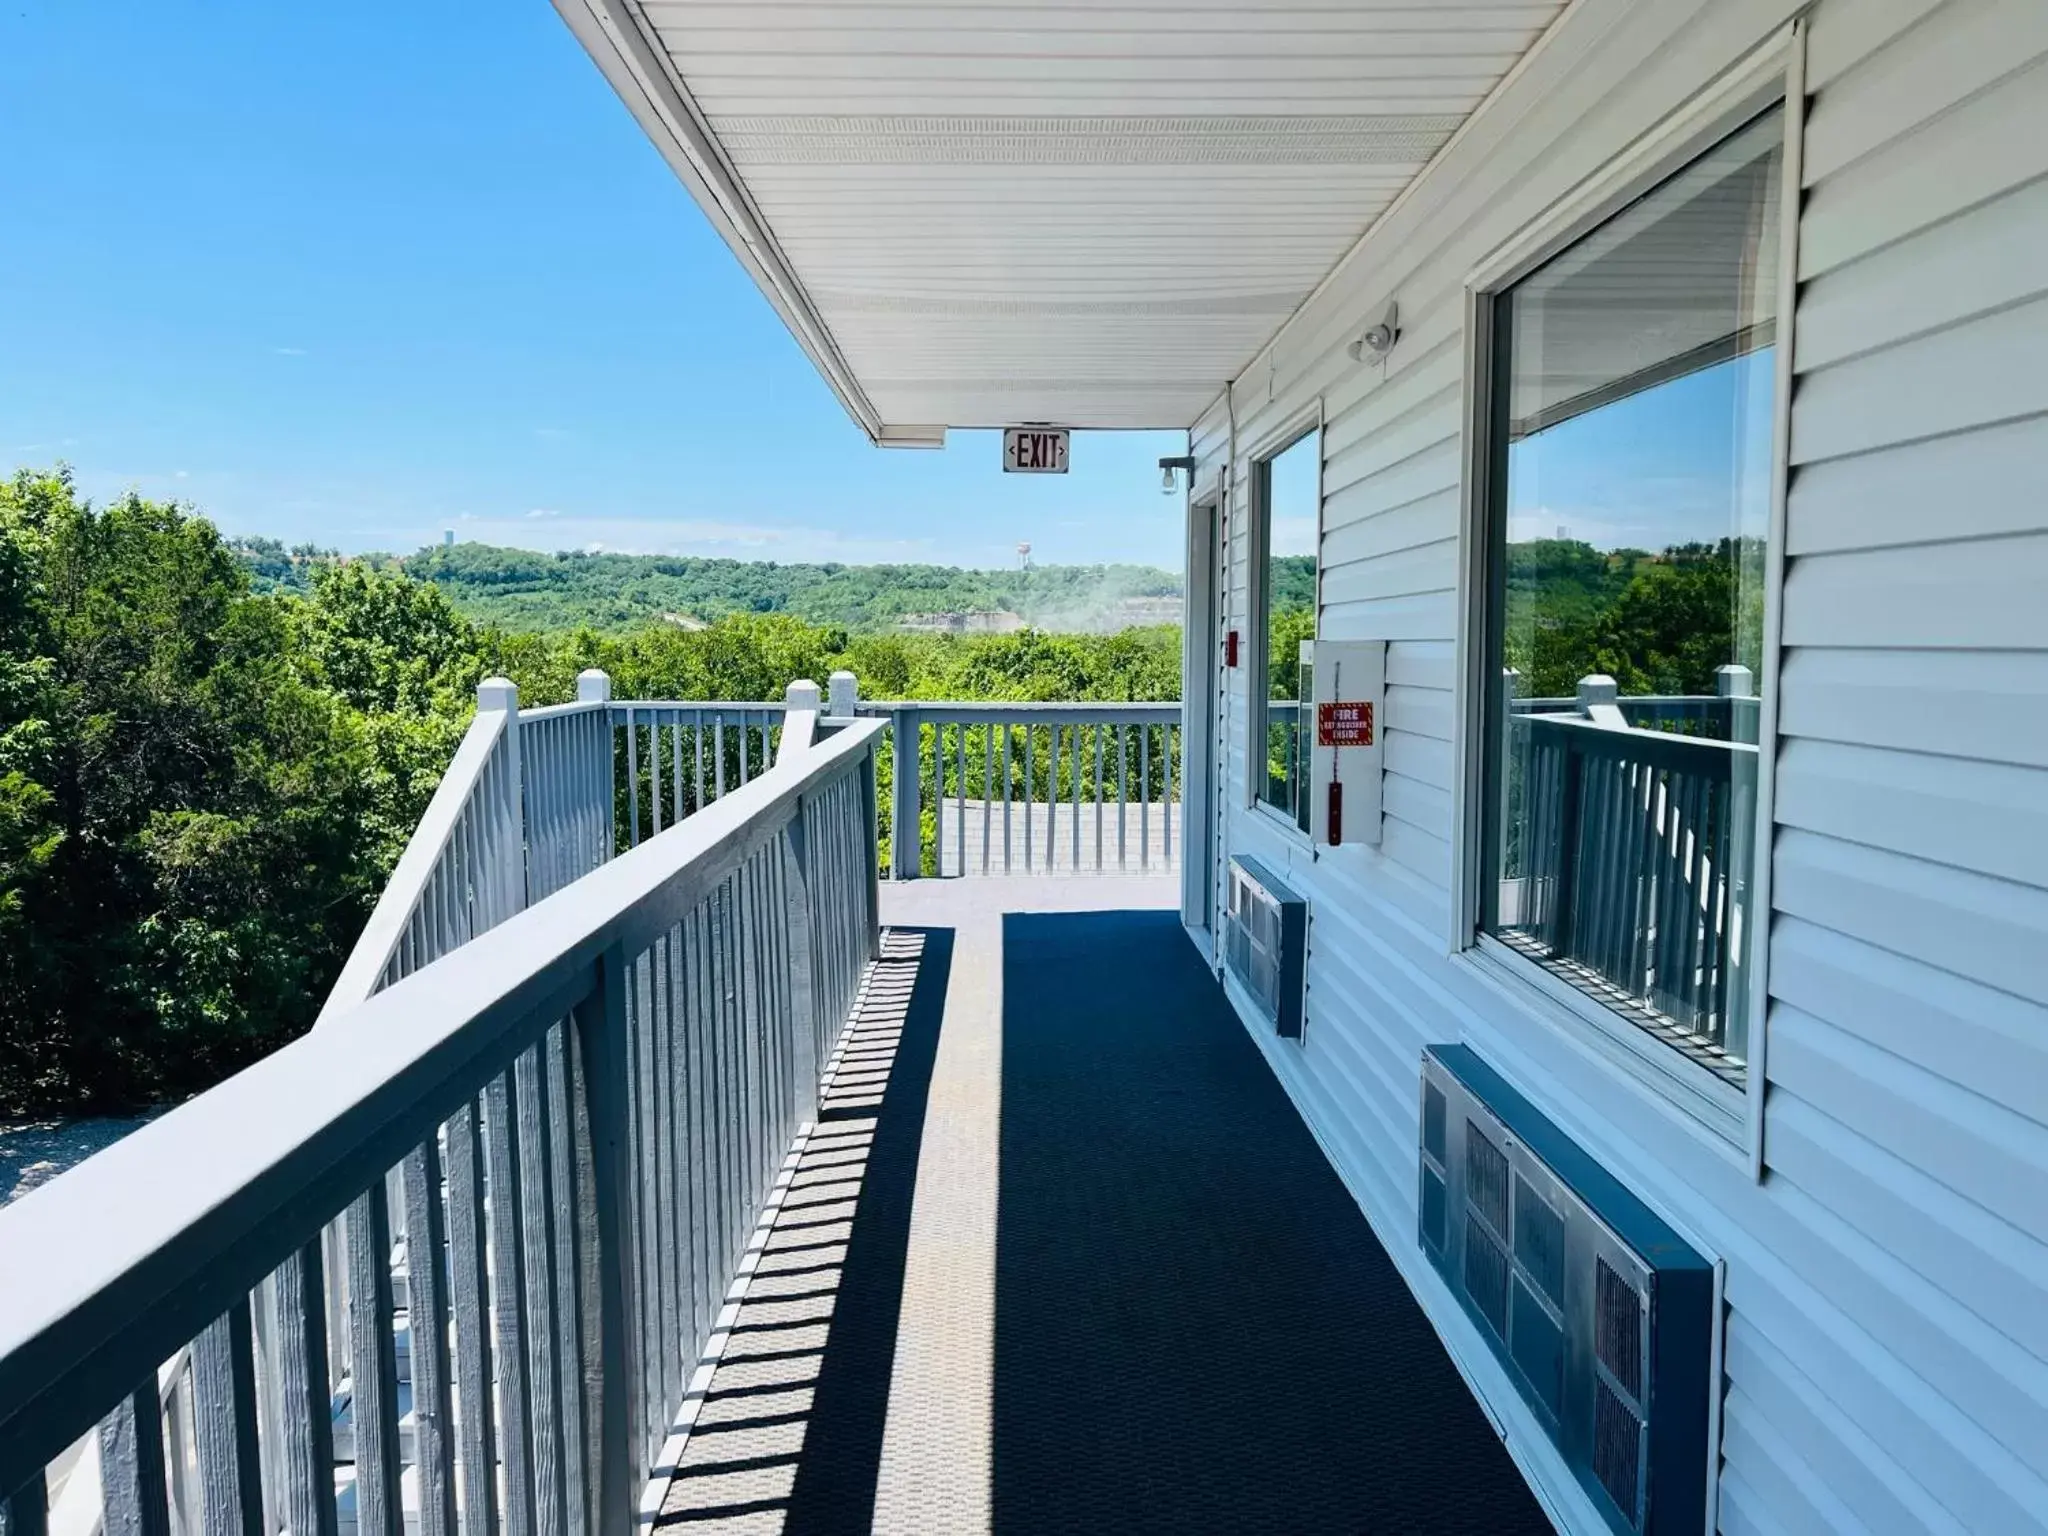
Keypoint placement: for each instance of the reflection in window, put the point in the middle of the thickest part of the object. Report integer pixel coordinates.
(1633, 413)
(1289, 493)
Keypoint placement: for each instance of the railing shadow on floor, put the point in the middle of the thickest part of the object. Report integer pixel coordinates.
(788, 1435)
(1194, 1329)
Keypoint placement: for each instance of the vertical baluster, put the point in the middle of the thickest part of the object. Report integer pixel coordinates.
(697, 759)
(305, 1452)
(734, 1048)
(563, 1200)
(1098, 797)
(718, 1044)
(750, 1028)
(1144, 795)
(632, 780)
(746, 745)
(645, 1216)
(1642, 886)
(537, 1219)
(1030, 792)
(1614, 873)
(1678, 989)
(665, 1345)
(1074, 795)
(654, 771)
(508, 1294)
(960, 784)
(1697, 962)
(469, 1288)
(1052, 793)
(134, 1495)
(224, 1426)
(426, 1313)
(681, 1119)
(1589, 937)
(603, 1181)
(530, 814)
(1122, 861)
(1006, 798)
(938, 798)
(373, 1362)
(709, 1154)
(1169, 735)
(702, 1165)
(718, 753)
(675, 764)
(750, 1044)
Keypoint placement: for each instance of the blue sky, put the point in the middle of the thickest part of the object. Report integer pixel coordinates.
(360, 272)
(1687, 461)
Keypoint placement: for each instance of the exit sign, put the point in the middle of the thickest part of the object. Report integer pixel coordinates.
(1034, 450)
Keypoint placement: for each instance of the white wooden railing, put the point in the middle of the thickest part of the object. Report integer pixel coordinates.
(585, 1103)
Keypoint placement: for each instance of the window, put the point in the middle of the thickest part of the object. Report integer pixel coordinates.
(1288, 490)
(1629, 498)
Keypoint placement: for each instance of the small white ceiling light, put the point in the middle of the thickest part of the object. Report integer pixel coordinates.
(1379, 339)
(1168, 476)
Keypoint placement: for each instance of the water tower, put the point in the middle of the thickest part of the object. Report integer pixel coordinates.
(1024, 555)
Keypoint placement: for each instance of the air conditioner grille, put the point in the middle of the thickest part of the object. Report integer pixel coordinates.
(1538, 1348)
(1539, 1241)
(1601, 1316)
(1265, 943)
(1433, 1210)
(1618, 1329)
(1486, 1179)
(1433, 1121)
(1618, 1451)
(1486, 1276)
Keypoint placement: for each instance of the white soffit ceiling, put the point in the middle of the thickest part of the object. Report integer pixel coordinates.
(979, 214)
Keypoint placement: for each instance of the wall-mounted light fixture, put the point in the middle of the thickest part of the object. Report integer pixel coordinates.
(1379, 339)
(1168, 480)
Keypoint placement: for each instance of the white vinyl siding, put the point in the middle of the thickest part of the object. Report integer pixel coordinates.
(1887, 1280)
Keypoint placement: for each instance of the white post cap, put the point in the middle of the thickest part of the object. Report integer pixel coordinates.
(593, 686)
(1597, 688)
(497, 693)
(844, 693)
(801, 694)
(1734, 681)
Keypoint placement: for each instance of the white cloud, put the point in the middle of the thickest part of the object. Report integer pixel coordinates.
(289, 351)
(544, 512)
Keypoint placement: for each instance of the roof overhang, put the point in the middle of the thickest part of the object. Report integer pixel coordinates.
(988, 214)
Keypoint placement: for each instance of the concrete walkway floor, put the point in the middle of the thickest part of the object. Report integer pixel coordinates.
(1059, 1256)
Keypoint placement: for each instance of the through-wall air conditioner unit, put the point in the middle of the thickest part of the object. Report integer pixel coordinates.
(1265, 942)
(1601, 1313)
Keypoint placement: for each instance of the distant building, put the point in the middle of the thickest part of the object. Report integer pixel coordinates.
(988, 622)
(1136, 612)
(447, 538)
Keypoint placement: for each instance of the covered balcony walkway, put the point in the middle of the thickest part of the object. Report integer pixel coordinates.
(1059, 1256)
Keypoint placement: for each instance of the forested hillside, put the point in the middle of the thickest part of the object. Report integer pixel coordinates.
(203, 785)
(526, 589)
(211, 754)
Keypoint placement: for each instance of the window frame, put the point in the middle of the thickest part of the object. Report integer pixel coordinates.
(1290, 433)
(1730, 1118)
